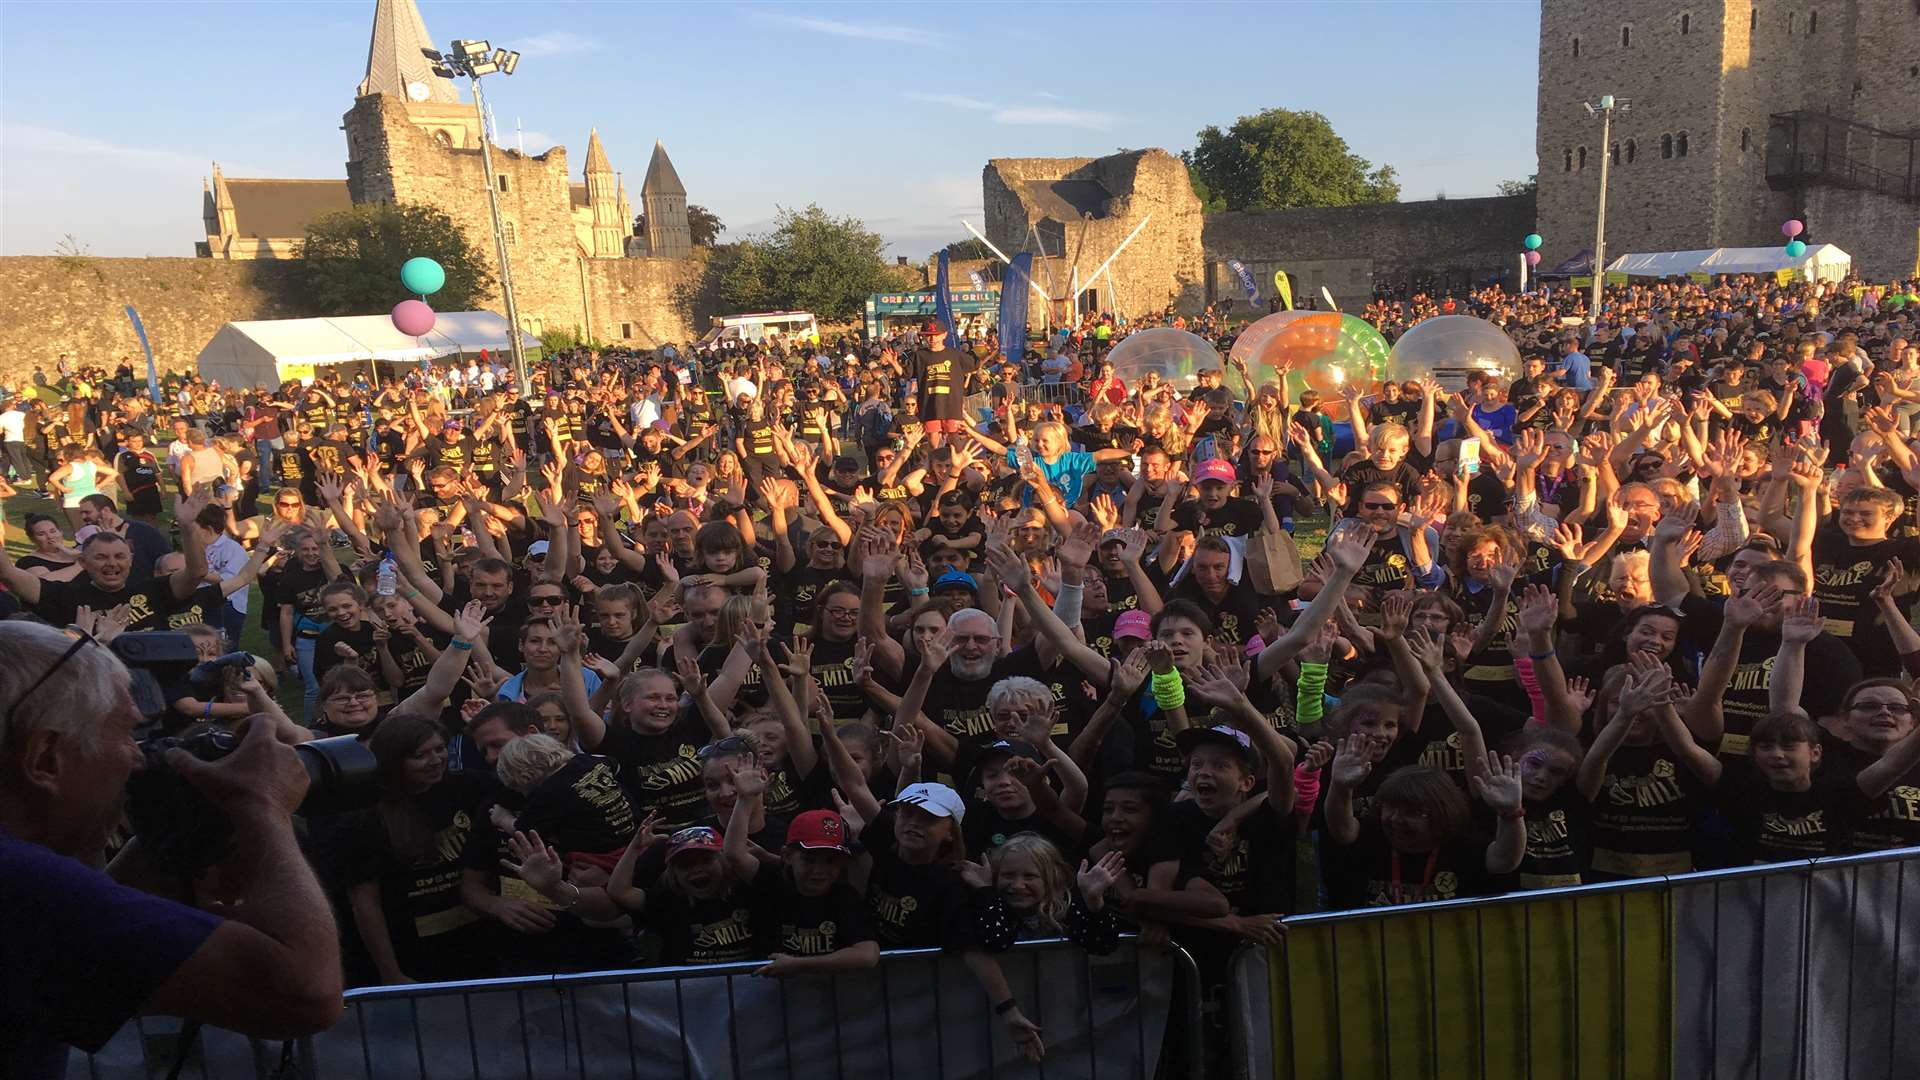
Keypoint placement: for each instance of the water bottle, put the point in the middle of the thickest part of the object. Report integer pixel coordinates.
(1023, 452)
(385, 585)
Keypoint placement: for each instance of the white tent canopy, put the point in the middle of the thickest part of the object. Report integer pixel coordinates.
(1822, 262)
(273, 351)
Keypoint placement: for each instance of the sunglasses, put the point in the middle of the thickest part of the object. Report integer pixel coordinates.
(727, 747)
(545, 601)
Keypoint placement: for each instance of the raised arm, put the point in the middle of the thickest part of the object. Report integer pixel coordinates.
(1012, 571)
(1347, 548)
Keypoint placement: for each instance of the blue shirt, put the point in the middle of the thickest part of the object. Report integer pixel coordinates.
(79, 954)
(1065, 474)
(1577, 370)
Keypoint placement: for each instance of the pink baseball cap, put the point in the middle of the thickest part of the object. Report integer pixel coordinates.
(1135, 624)
(1214, 470)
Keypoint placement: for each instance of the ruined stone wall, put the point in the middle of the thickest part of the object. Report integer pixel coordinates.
(1161, 266)
(1443, 243)
(78, 306)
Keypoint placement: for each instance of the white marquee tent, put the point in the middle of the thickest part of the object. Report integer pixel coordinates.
(273, 351)
(1822, 262)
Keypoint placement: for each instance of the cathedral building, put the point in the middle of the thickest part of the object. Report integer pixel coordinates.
(577, 263)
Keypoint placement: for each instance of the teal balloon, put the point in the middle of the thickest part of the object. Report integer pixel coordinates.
(1796, 248)
(1533, 241)
(422, 275)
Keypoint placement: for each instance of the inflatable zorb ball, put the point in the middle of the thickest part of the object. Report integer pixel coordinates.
(1448, 348)
(1177, 355)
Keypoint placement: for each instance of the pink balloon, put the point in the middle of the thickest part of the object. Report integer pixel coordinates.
(412, 317)
(1794, 227)
(1533, 258)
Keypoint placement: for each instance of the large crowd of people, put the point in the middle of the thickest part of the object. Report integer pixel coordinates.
(791, 652)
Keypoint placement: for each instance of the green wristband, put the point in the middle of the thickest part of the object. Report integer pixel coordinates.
(1169, 690)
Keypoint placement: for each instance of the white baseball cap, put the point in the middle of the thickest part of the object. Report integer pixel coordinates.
(936, 799)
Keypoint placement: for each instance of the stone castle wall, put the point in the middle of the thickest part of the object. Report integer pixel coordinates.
(78, 306)
(1351, 250)
(1713, 72)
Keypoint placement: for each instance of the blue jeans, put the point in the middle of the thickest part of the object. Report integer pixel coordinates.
(303, 651)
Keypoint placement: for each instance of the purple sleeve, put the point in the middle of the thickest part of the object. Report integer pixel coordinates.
(80, 953)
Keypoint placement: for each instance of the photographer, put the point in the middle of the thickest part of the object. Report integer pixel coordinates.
(81, 953)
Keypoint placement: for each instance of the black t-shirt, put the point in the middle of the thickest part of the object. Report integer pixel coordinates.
(987, 828)
(833, 666)
(1370, 873)
(1844, 577)
(1830, 666)
(297, 586)
(960, 705)
(435, 935)
(662, 769)
(795, 592)
(581, 807)
(1358, 476)
(503, 634)
(1643, 814)
(719, 930)
(1782, 826)
(147, 602)
(1892, 820)
(1557, 840)
(1257, 876)
(942, 376)
(1238, 517)
(915, 905)
(788, 921)
(326, 657)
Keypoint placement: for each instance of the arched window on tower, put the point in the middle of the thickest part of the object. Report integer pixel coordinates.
(1813, 23)
(444, 139)
(1686, 24)
(1746, 139)
(1576, 48)
(1626, 37)
(1666, 146)
(1680, 145)
(1632, 150)
(1569, 165)
(1580, 158)
(1613, 153)
(1791, 18)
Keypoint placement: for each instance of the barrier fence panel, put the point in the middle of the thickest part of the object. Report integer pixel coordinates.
(918, 1014)
(1806, 969)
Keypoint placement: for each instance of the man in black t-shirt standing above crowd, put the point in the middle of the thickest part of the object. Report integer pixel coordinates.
(942, 375)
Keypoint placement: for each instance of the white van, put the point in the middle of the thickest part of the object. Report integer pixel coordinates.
(785, 327)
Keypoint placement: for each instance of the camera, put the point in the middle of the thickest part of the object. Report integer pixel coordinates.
(175, 823)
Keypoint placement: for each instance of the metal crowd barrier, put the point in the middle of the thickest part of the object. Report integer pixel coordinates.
(1792, 970)
(918, 1014)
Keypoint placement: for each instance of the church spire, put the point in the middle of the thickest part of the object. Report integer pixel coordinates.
(661, 179)
(597, 154)
(395, 64)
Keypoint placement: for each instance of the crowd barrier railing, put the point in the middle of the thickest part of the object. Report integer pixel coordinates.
(919, 1014)
(1791, 970)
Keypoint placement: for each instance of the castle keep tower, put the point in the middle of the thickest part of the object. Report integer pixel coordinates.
(1744, 113)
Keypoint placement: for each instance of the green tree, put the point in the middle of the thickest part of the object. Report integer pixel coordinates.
(1520, 187)
(703, 225)
(350, 259)
(810, 262)
(1279, 158)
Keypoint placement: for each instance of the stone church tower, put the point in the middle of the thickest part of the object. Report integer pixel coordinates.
(1744, 113)
(665, 200)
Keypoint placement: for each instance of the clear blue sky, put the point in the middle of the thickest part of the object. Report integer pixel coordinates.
(111, 112)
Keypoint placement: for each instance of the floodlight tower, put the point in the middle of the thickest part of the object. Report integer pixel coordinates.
(1604, 109)
(474, 59)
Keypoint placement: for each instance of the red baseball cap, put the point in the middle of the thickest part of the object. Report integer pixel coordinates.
(818, 830)
(932, 326)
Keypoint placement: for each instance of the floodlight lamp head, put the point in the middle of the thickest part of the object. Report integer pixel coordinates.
(475, 48)
(1606, 101)
(482, 67)
(443, 71)
(432, 54)
(508, 60)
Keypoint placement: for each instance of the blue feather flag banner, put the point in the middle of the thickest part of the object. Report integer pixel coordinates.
(1013, 306)
(1246, 280)
(943, 300)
